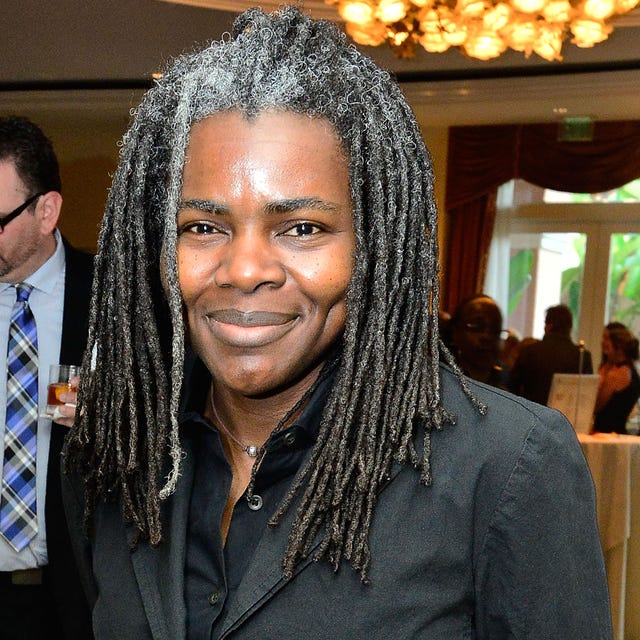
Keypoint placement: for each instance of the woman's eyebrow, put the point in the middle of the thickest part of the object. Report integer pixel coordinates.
(287, 205)
(199, 204)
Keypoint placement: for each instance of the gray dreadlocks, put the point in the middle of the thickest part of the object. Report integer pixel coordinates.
(126, 440)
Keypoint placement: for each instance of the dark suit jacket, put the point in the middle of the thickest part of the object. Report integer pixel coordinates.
(535, 365)
(503, 544)
(62, 576)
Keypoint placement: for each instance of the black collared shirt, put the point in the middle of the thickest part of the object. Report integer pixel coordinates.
(213, 571)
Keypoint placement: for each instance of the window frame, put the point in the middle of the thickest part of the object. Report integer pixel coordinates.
(597, 221)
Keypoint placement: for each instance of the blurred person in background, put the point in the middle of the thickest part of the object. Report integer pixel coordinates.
(619, 387)
(510, 348)
(556, 353)
(476, 337)
(605, 343)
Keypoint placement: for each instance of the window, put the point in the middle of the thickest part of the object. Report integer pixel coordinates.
(579, 249)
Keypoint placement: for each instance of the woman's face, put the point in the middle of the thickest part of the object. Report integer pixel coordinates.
(606, 344)
(265, 248)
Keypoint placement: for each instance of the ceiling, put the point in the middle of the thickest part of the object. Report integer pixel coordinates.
(81, 59)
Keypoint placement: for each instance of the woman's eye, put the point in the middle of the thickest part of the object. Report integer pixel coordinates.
(302, 229)
(199, 228)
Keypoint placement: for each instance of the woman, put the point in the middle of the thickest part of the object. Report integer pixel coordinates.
(619, 386)
(605, 338)
(267, 396)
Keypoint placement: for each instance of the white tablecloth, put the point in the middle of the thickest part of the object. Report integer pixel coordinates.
(614, 461)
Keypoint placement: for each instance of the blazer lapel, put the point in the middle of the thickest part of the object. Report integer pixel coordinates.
(264, 576)
(77, 293)
(160, 570)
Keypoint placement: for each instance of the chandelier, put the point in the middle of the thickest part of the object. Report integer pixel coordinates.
(482, 29)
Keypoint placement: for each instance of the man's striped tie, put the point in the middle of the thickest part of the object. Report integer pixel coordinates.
(18, 522)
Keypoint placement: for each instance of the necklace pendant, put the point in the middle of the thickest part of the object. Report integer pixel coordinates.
(251, 450)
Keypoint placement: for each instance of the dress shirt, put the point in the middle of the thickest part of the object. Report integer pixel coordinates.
(47, 304)
(214, 571)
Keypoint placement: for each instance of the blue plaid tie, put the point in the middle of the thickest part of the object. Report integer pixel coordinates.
(18, 503)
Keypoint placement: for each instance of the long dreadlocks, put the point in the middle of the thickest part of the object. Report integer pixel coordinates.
(126, 436)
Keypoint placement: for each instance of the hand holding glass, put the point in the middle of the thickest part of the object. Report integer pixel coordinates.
(63, 378)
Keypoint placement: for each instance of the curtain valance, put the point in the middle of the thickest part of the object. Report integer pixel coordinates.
(480, 159)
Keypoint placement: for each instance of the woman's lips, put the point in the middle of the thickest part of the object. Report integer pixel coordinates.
(251, 318)
(250, 328)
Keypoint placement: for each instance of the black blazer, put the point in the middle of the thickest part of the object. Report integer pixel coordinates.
(503, 544)
(62, 576)
(533, 370)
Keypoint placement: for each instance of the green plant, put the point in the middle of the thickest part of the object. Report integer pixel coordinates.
(571, 284)
(624, 277)
(520, 266)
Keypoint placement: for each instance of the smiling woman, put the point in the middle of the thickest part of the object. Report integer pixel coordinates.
(265, 254)
(264, 273)
(281, 400)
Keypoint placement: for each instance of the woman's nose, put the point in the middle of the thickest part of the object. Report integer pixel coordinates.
(249, 261)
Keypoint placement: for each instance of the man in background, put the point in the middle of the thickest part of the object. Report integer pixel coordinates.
(44, 294)
(556, 353)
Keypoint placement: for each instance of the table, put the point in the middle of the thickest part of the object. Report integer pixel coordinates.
(614, 461)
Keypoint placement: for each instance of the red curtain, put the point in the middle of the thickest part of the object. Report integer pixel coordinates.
(470, 228)
(482, 158)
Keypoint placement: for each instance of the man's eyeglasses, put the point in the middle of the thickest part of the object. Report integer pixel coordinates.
(482, 327)
(4, 221)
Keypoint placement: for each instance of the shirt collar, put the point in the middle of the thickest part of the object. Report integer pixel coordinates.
(197, 381)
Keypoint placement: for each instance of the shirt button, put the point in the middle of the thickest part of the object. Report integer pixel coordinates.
(255, 502)
(289, 439)
(214, 597)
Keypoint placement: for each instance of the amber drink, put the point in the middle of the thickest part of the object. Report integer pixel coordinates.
(62, 378)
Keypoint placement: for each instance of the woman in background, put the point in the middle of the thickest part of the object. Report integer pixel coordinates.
(619, 381)
(605, 343)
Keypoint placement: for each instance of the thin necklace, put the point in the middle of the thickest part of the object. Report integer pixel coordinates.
(252, 450)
